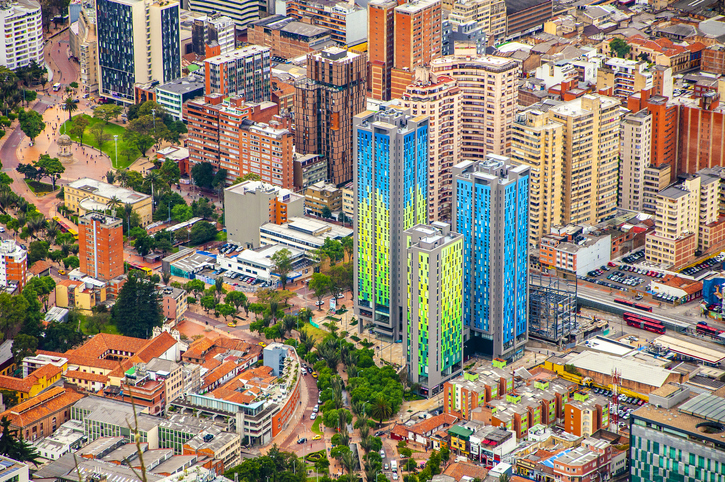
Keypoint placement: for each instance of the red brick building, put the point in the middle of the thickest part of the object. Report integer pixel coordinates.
(100, 245)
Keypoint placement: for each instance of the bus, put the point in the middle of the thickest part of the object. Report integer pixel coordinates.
(56, 87)
(644, 323)
(632, 304)
(703, 328)
(146, 270)
(74, 233)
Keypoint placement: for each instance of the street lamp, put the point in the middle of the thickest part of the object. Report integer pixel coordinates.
(153, 113)
(115, 142)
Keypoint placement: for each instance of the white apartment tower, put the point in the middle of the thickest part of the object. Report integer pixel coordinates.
(22, 33)
(634, 154)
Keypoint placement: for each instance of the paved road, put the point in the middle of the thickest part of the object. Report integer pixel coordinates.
(7, 153)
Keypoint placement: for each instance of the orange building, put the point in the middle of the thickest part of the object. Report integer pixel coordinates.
(13, 264)
(244, 72)
(42, 415)
(702, 133)
(665, 117)
(381, 45)
(585, 414)
(100, 245)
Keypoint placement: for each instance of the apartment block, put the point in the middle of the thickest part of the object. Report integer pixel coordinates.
(462, 38)
(621, 78)
(438, 97)
(100, 245)
(665, 119)
(475, 388)
(84, 45)
(585, 413)
(325, 103)
(391, 188)
(381, 46)
(537, 142)
(701, 140)
(287, 38)
(172, 95)
(22, 40)
(13, 265)
(308, 169)
(687, 220)
(492, 204)
(575, 250)
(242, 12)
(656, 178)
(591, 156)
(347, 21)
(213, 28)
(635, 155)
(489, 14)
(489, 83)
(243, 73)
(322, 195)
(433, 337)
(138, 42)
(173, 304)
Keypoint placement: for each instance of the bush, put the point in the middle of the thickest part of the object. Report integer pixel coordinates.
(190, 300)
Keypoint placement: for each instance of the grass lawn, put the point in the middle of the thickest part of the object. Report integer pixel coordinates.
(39, 187)
(220, 236)
(316, 425)
(109, 146)
(109, 328)
(315, 333)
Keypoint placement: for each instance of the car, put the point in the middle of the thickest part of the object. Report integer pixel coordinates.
(317, 437)
(319, 303)
(61, 271)
(301, 440)
(75, 101)
(231, 325)
(309, 370)
(611, 264)
(379, 433)
(262, 344)
(85, 96)
(340, 296)
(2, 230)
(386, 466)
(314, 374)
(640, 403)
(395, 476)
(316, 408)
(313, 416)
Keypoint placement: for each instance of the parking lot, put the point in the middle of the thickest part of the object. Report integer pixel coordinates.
(625, 406)
(704, 267)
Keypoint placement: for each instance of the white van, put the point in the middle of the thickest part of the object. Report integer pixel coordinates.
(394, 465)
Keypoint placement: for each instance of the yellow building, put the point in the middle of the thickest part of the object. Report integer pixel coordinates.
(77, 294)
(34, 383)
(89, 195)
(489, 14)
(536, 142)
(321, 195)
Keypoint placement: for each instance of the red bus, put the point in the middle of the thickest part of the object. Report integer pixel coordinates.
(642, 307)
(705, 329)
(644, 323)
(624, 302)
(639, 317)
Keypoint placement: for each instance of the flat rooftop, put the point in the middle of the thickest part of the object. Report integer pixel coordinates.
(692, 350)
(108, 191)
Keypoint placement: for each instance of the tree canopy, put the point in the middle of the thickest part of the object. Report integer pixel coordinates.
(137, 310)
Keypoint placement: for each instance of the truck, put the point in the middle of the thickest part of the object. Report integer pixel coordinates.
(394, 465)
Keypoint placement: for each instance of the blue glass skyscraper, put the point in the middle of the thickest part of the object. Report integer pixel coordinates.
(491, 211)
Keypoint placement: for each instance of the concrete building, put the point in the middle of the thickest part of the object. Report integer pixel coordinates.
(172, 95)
(686, 438)
(687, 220)
(591, 155)
(100, 241)
(287, 38)
(144, 47)
(527, 16)
(462, 38)
(84, 45)
(665, 126)
(621, 78)
(258, 263)
(537, 142)
(635, 155)
(244, 73)
(573, 250)
(321, 195)
(381, 46)
(213, 29)
(302, 233)
(656, 178)
(88, 195)
(13, 265)
(250, 204)
(492, 204)
(308, 169)
(348, 201)
(391, 188)
(489, 82)
(439, 97)
(433, 339)
(701, 142)
(490, 15)
(173, 303)
(346, 20)
(274, 356)
(584, 414)
(242, 12)
(22, 41)
(325, 103)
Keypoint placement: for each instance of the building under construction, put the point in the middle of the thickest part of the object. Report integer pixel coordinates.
(552, 308)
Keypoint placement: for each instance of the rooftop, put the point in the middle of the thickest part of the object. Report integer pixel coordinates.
(308, 231)
(108, 191)
(631, 370)
(238, 54)
(183, 85)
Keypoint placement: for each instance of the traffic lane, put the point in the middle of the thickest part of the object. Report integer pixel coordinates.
(8, 150)
(304, 428)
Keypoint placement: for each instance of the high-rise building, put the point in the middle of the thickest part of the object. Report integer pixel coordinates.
(489, 14)
(591, 157)
(100, 245)
(438, 97)
(242, 12)
(433, 337)
(346, 20)
(622, 78)
(489, 91)
(138, 42)
(537, 143)
(462, 38)
(213, 28)
(491, 199)
(84, 45)
(656, 178)
(701, 141)
(390, 185)
(635, 159)
(325, 103)
(401, 37)
(22, 39)
(13, 265)
(665, 119)
(243, 73)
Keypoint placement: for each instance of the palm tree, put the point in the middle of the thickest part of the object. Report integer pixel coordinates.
(166, 277)
(349, 462)
(342, 419)
(218, 288)
(381, 409)
(6, 199)
(364, 430)
(289, 322)
(358, 408)
(328, 352)
(344, 438)
(122, 177)
(113, 203)
(307, 341)
(70, 106)
(51, 231)
(36, 224)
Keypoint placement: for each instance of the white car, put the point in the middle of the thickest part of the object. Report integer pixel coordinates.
(315, 409)
(313, 416)
(2, 229)
(319, 303)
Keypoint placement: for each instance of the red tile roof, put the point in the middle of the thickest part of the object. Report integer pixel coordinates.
(39, 266)
(433, 423)
(688, 286)
(25, 385)
(91, 377)
(44, 405)
(458, 470)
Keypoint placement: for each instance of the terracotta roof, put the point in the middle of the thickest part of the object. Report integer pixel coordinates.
(219, 372)
(696, 47)
(39, 266)
(432, 423)
(688, 286)
(45, 404)
(91, 377)
(67, 283)
(156, 347)
(458, 470)
(199, 347)
(25, 385)
(400, 431)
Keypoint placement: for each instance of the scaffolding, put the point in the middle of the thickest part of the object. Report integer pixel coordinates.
(552, 307)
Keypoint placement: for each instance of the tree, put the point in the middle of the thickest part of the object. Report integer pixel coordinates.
(98, 131)
(50, 167)
(14, 447)
(140, 140)
(195, 286)
(71, 262)
(203, 208)
(326, 213)
(31, 123)
(340, 275)
(320, 284)
(225, 309)
(181, 213)
(69, 106)
(381, 408)
(61, 337)
(37, 250)
(137, 310)
(203, 174)
(78, 128)
(208, 302)
(219, 181)
(620, 47)
(202, 232)
(170, 171)
(23, 346)
(282, 265)
(238, 299)
(322, 465)
(144, 244)
(250, 176)
(107, 112)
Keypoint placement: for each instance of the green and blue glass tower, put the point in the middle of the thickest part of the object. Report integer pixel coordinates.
(491, 211)
(433, 337)
(391, 183)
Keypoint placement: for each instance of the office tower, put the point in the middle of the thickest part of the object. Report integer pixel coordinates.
(678, 436)
(489, 14)
(22, 39)
(138, 41)
(100, 245)
(433, 337)
(523, 18)
(213, 28)
(591, 155)
(346, 20)
(224, 133)
(537, 143)
(390, 185)
(489, 83)
(243, 73)
(438, 97)
(634, 159)
(491, 212)
(401, 36)
(325, 103)
(13, 265)
(242, 12)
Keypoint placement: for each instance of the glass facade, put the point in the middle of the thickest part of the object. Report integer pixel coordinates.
(116, 49)
(170, 43)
